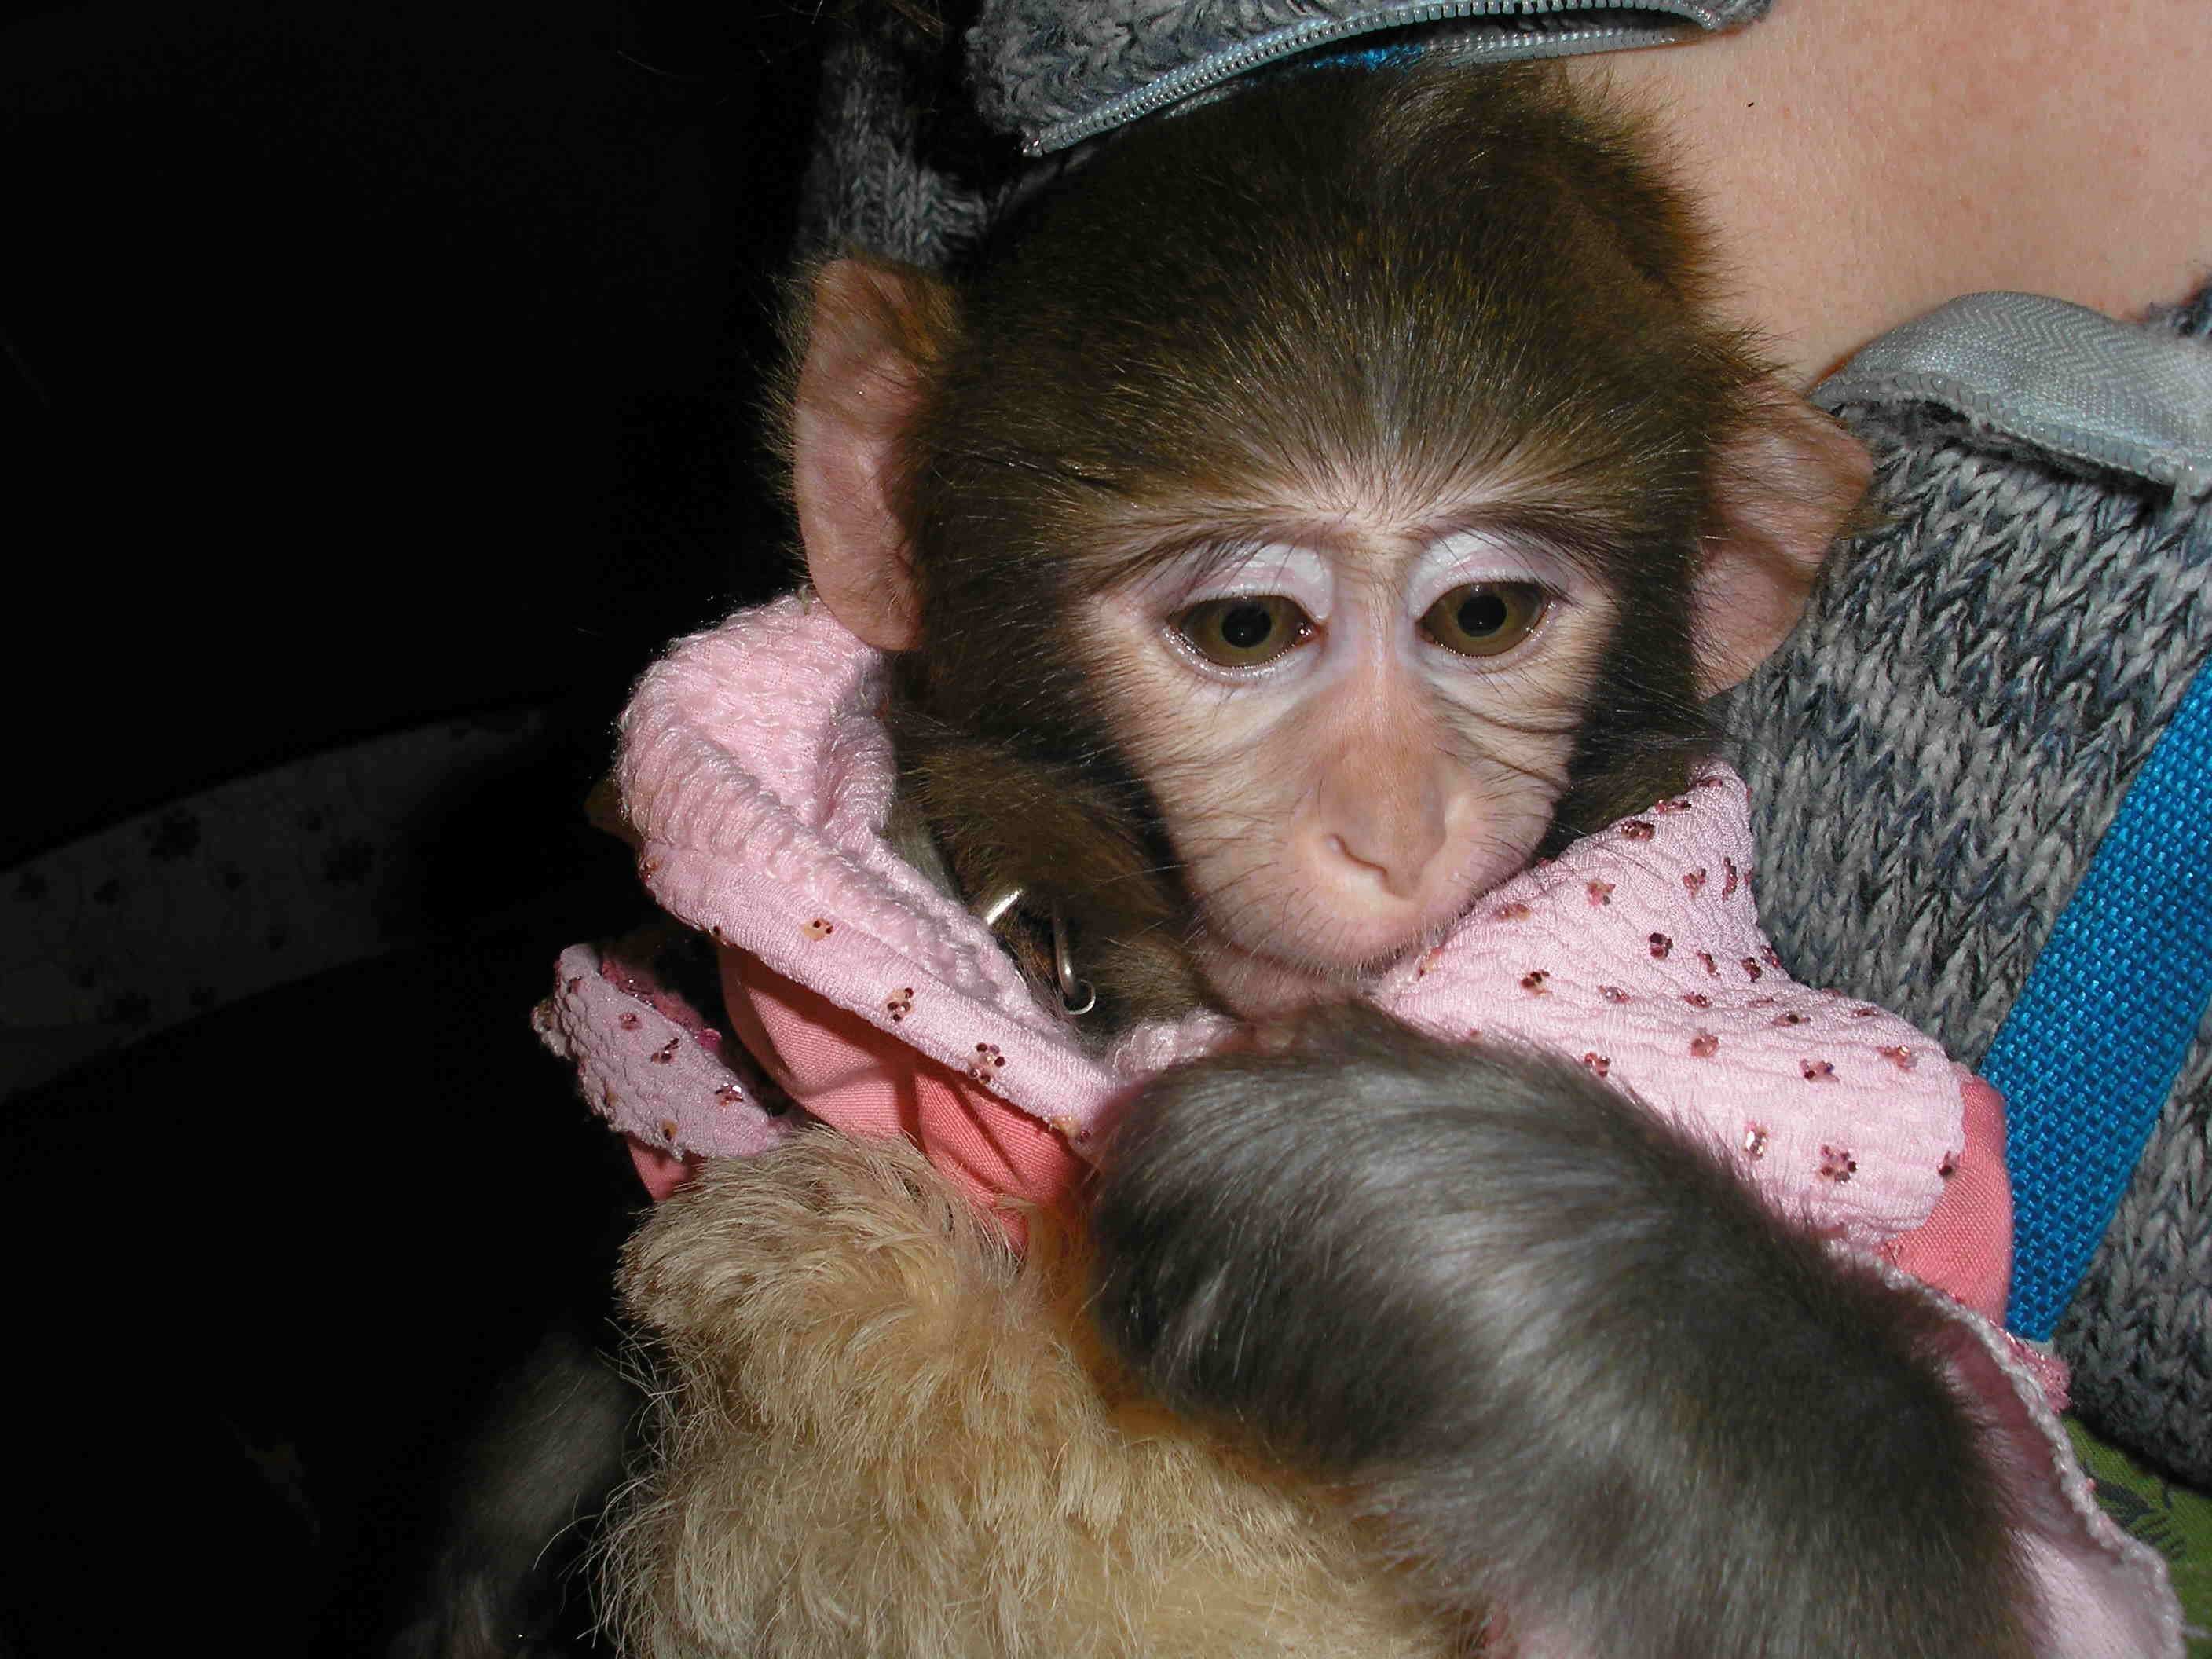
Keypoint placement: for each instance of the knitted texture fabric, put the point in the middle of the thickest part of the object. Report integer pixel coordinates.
(1038, 64)
(1942, 744)
(2139, 1331)
(899, 168)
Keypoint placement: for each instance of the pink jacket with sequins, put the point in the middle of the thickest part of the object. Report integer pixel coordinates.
(757, 775)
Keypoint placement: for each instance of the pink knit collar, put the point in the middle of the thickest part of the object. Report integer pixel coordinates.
(756, 769)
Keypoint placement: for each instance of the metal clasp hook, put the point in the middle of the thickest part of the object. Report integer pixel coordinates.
(1077, 996)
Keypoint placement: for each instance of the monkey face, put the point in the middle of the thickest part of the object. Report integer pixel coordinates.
(1314, 506)
(1353, 724)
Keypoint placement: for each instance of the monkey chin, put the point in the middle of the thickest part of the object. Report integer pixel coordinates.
(1265, 962)
(1259, 987)
(1300, 923)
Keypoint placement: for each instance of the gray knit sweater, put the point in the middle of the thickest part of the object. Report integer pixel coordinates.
(1938, 751)
(1935, 754)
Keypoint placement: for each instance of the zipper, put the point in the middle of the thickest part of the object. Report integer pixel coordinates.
(1229, 61)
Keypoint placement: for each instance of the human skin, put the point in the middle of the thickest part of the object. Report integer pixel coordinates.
(1862, 164)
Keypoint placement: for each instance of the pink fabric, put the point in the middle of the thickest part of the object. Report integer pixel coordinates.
(1638, 950)
(661, 1173)
(756, 773)
(652, 1065)
(1951, 1249)
(855, 1078)
(756, 776)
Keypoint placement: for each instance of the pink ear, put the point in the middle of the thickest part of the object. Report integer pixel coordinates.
(869, 332)
(1789, 482)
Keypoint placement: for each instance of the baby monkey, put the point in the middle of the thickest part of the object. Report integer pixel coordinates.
(1309, 510)
(1317, 507)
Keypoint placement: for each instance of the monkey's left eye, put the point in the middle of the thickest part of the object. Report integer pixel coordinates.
(1485, 619)
(1245, 631)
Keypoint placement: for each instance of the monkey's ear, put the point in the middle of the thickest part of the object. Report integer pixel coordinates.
(1789, 481)
(872, 330)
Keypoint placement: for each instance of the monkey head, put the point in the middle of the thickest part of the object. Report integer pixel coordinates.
(1325, 500)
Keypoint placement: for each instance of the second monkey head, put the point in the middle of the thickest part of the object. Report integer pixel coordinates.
(1311, 509)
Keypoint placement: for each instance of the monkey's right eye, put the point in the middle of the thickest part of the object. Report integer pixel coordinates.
(1245, 631)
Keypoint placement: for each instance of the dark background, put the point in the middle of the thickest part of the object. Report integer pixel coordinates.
(360, 365)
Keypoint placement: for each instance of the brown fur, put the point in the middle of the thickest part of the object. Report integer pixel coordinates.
(881, 1432)
(1065, 815)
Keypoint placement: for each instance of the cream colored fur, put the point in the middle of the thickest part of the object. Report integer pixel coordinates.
(882, 1433)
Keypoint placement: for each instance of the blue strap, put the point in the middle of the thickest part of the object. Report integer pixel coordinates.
(2091, 1049)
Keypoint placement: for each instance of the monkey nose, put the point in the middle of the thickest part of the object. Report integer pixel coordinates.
(1395, 863)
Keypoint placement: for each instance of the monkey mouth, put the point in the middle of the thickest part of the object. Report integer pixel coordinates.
(1259, 983)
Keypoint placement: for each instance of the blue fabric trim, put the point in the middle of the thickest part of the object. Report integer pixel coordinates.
(2089, 1053)
(1400, 55)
